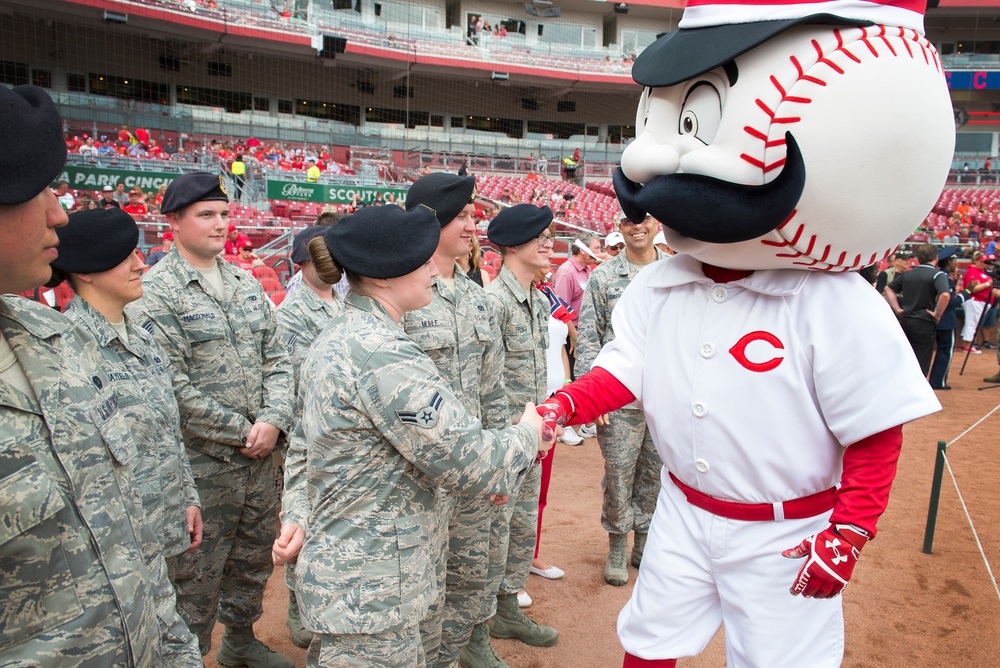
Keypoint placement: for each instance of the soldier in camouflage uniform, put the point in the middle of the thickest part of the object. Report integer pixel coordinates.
(381, 430)
(82, 578)
(106, 277)
(631, 464)
(522, 232)
(458, 331)
(232, 380)
(301, 317)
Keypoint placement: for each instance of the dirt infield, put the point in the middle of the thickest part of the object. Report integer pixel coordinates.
(903, 608)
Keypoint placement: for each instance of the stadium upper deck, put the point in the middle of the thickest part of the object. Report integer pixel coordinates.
(543, 77)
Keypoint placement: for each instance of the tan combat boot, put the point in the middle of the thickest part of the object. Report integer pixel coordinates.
(616, 570)
(241, 649)
(511, 622)
(479, 652)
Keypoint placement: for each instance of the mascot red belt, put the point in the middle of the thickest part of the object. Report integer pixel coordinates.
(781, 146)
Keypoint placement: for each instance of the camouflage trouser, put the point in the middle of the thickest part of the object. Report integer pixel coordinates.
(226, 575)
(468, 590)
(430, 625)
(462, 559)
(394, 649)
(631, 473)
(513, 535)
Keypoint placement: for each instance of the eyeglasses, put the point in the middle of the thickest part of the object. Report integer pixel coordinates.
(545, 240)
(617, 247)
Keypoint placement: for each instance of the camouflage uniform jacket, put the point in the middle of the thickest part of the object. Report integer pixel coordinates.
(380, 431)
(83, 579)
(301, 317)
(142, 380)
(230, 368)
(524, 326)
(460, 333)
(607, 283)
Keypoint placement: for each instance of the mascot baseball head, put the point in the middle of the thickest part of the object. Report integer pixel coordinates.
(814, 135)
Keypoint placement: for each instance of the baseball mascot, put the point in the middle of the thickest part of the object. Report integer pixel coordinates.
(782, 146)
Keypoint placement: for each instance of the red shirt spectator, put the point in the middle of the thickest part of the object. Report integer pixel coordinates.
(236, 240)
(245, 259)
(136, 206)
(976, 273)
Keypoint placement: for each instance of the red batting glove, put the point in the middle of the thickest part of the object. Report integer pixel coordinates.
(832, 554)
(554, 411)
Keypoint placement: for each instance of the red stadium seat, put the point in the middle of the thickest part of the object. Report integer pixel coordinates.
(269, 284)
(277, 297)
(261, 272)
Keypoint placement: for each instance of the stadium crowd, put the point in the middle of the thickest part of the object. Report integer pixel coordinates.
(210, 152)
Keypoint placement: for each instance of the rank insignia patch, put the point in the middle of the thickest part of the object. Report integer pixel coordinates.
(425, 417)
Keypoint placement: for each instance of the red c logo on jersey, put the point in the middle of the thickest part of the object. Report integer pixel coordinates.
(739, 351)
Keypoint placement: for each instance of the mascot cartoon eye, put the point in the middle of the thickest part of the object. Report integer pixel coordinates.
(642, 114)
(702, 113)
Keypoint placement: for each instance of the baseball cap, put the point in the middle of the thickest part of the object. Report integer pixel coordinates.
(247, 245)
(659, 239)
(614, 239)
(107, 189)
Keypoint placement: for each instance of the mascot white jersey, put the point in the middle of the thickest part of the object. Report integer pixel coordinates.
(781, 146)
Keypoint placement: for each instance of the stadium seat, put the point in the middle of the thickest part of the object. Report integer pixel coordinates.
(269, 284)
(261, 272)
(277, 297)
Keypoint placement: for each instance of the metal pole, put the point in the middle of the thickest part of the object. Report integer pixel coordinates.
(935, 497)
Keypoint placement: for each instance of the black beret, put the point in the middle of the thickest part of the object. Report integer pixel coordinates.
(519, 224)
(384, 241)
(300, 247)
(191, 188)
(446, 194)
(95, 240)
(688, 52)
(31, 136)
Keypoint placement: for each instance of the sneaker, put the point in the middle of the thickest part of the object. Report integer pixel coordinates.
(975, 350)
(995, 378)
(523, 600)
(570, 437)
(550, 573)
(588, 431)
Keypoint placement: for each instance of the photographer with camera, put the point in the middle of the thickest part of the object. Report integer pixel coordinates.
(925, 295)
(981, 281)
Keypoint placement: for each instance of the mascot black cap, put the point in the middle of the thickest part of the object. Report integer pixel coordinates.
(712, 33)
(31, 136)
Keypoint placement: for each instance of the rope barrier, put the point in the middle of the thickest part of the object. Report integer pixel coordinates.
(943, 458)
(975, 535)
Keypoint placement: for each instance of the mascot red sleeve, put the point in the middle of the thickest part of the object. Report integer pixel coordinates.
(782, 146)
